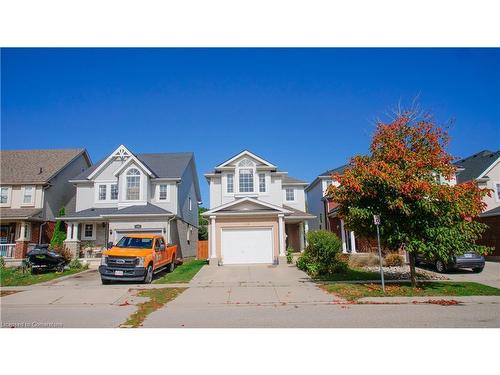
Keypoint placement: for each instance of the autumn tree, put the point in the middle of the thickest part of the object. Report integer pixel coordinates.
(407, 180)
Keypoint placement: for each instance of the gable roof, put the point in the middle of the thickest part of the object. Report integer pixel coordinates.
(249, 154)
(474, 166)
(292, 180)
(327, 174)
(162, 165)
(238, 201)
(36, 166)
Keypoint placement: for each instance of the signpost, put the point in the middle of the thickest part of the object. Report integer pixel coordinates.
(376, 220)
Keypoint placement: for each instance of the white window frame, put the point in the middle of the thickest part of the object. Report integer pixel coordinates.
(27, 231)
(263, 176)
(286, 194)
(99, 192)
(108, 185)
(158, 193)
(497, 191)
(228, 176)
(23, 193)
(84, 236)
(111, 191)
(7, 202)
(127, 176)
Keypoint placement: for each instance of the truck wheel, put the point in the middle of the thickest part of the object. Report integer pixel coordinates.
(171, 266)
(149, 275)
(478, 269)
(440, 266)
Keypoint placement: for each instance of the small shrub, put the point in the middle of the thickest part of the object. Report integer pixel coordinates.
(65, 252)
(76, 264)
(363, 260)
(393, 260)
(2, 263)
(289, 255)
(322, 255)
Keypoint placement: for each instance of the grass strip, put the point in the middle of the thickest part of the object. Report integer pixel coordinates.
(157, 299)
(183, 273)
(16, 277)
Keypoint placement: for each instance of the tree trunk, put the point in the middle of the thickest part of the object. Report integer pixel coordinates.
(413, 273)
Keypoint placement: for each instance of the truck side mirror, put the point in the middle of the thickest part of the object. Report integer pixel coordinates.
(162, 247)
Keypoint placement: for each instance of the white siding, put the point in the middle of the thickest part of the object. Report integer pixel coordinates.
(315, 205)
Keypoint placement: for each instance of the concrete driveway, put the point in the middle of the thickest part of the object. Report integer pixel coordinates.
(490, 275)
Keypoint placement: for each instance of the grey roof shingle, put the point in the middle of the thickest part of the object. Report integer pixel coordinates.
(292, 180)
(338, 170)
(493, 212)
(163, 165)
(473, 166)
(148, 209)
(34, 166)
(297, 213)
(20, 213)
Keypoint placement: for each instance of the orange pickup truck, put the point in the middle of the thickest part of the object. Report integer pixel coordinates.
(136, 257)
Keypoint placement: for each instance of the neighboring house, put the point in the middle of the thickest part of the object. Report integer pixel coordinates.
(484, 168)
(130, 193)
(256, 212)
(325, 210)
(33, 188)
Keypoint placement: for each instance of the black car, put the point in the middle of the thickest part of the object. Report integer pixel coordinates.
(468, 260)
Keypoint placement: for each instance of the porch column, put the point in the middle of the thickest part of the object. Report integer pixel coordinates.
(342, 232)
(75, 232)
(301, 236)
(22, 242)
(69, 233)
(281, 231)
(353, 243)
(306, 230)
(212, 237)
(22, 232)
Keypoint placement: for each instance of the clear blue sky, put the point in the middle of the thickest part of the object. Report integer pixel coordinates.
(305, 110)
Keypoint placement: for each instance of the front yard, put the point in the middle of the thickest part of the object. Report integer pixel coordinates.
(16, 277)
(183, 273)
(353, 292)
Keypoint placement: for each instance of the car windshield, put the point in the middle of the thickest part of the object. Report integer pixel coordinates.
(132, 242)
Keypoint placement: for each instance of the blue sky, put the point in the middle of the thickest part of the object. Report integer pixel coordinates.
(305, 110)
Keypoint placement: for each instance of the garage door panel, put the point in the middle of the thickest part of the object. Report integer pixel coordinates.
(247, 245)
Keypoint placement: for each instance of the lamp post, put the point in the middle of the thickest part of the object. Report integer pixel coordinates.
(376, 220)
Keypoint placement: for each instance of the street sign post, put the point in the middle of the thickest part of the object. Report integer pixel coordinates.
(376, 220)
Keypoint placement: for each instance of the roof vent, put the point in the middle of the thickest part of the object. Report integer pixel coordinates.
(41, 170)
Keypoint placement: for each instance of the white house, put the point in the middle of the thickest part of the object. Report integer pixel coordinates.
(256, 212)
(130, 193)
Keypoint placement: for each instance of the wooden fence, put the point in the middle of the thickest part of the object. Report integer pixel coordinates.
(202, 250)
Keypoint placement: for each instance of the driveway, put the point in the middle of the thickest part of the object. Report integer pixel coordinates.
(490, 275)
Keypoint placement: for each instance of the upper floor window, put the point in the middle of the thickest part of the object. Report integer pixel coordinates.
(133, 184)
(29, 195)
(102, 192)
(290, 194)
(162, 192)
(4, 194)
(230, 183)
(262, 182)
(114, 192)
(246, 180)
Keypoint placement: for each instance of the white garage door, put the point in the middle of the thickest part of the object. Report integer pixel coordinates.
(248, 245)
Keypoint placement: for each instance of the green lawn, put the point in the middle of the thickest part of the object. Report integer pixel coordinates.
(157, 299)
(16, 277)
(352, 274)
(353, 292)
(183, 273)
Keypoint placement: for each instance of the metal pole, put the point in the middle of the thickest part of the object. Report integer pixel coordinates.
(380, 259)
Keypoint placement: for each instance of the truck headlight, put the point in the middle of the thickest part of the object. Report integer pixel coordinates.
(139, 261)
(104, 260)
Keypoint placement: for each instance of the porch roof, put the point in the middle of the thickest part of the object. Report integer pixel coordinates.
(21, 213)
(102, 213)
(297, 214)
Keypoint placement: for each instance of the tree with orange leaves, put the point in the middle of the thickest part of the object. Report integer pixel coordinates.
(406, 179)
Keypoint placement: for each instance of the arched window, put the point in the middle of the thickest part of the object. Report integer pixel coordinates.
(245, 172)
(133, 184)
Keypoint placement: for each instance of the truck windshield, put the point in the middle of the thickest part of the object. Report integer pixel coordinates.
(132, 242)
